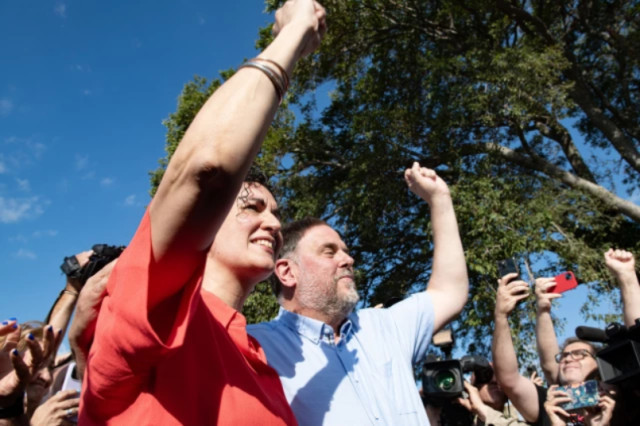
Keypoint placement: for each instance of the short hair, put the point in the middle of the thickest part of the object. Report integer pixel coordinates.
(291, 235)
(570, 340)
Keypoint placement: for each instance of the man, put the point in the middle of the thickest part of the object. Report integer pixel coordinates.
(576, 359)
(340, 367)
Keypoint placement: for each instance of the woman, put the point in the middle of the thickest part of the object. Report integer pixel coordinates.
(170, 344)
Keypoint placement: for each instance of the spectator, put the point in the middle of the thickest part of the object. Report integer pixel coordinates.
(170, 344)
(25, 356)
(576, 360)
(341, 367)
(621, 263)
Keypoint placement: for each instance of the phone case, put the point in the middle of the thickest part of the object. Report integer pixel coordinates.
(584, 395)
(564, 282)
(507, 266)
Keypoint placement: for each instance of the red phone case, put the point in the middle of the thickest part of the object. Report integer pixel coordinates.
(564, 282)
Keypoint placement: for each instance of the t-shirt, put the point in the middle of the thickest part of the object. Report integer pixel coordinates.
(202, 369)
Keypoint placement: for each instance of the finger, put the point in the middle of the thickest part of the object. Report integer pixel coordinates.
(12, 339)
(69, 403)
(63, 395)
(21, 368)
(505, 279)
(48, 344)
(35, 360)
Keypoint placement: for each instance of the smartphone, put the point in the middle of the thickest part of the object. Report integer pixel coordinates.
(507, 266)
(582, 395)
(564, 282)
(71, 382)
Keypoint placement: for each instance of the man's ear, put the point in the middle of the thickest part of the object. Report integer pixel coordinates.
(285, 272)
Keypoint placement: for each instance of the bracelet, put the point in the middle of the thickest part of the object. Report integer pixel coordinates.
(65, 291)
(15, 409)
(285, 76)
(277, 82)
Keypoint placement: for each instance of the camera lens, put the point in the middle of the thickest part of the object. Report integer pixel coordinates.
(445, 380)
(567, 276)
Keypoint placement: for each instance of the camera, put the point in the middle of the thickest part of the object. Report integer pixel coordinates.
(443, 380)
(102, 254)
(619, 361)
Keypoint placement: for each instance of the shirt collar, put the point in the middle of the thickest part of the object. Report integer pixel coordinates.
(313, 329)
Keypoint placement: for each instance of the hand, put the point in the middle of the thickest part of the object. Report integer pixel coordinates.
(620, 262)
(17, 370)
(474, 403)
(84, 323)
(602, 417)
(57, 410)
(83, 259)
(510, 293)
(307, 13)
(543, 296)
(537, 380)
(425, 183)
(556, 414)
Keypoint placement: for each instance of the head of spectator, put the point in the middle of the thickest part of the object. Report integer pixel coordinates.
(577, 361)
(491, 393)
(314, 273)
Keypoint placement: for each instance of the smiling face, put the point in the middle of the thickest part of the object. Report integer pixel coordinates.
(249, 239)
(323, 273)
(573, 371)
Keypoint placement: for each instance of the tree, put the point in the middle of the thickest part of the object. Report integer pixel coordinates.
(493, 95)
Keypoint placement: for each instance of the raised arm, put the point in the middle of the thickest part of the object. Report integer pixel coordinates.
(449, 284)
(63, 307)
(520, 390)
(545, 333)
(622, 265)
(209, 165)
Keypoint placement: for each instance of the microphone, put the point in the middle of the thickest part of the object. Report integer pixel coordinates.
(591, 334)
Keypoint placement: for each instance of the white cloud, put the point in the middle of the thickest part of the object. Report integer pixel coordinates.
(130, 200)
(82, 161)
(15, 209)
(46, 233)
(136, 43)
(201, 20)
(26, 254)
(3, 168)
(86, 92)
(23, 184)
(20, 152)
(6, 106)
(60, 9)
(106, 182)
(18, 239)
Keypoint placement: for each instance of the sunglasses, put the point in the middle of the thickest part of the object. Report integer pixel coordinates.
(576, 354)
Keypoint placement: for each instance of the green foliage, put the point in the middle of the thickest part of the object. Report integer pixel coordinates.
(486, 92)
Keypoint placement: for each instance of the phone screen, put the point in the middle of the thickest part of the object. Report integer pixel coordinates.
(583, 395)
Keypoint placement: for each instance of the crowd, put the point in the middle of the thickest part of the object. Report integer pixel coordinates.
(157, 336)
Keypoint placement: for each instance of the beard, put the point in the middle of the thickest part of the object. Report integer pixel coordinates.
(327, 298)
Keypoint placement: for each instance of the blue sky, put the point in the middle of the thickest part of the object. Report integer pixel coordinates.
(84, 87)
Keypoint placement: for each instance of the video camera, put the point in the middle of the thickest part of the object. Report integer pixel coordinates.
(102, 254)
(619, 360)
(443, 380)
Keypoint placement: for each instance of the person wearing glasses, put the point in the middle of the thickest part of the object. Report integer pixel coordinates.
(575, 363)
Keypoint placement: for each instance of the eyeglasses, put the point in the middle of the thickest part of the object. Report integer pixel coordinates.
(576, 354)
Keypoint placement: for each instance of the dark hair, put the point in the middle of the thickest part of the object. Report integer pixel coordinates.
(256, 175)
(570, 340)
(291, 235)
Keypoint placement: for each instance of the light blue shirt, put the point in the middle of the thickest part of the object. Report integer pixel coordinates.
(365, 378)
